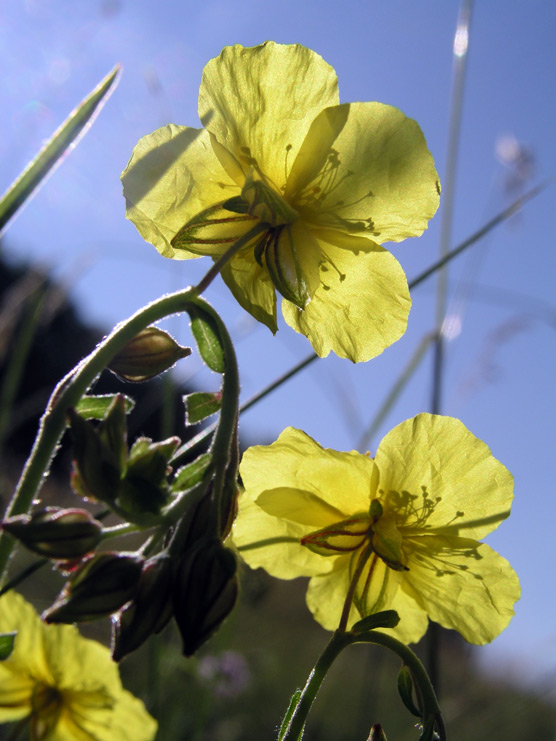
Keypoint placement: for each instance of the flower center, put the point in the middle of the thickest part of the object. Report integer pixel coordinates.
(355, 532)
(46, 706)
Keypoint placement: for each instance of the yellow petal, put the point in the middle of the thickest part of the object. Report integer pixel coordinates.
(326, 595)
(283, 556)
(252, 288)
(413, 618)
(260, 101)
(365, 168)
(362, 303)
(463, 585)
(172, 175)
(441, 478)
(296, 461)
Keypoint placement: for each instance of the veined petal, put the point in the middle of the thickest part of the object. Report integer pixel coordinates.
(28, 657)
(438, 477)
(413, 618)
(299, 506)
(326, 595)
(296, 461)
(364, 168)
(463, 585)
(260, 101)
(362, 303)
(172, 175)
(286, 558)
(252, 287)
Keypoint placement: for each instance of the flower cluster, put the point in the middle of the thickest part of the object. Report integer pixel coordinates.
(402, 528)
(326, 183)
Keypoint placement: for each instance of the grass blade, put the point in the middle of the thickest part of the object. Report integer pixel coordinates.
(51, 154)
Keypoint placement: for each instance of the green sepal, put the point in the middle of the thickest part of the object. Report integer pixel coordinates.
(96, 407)
(384, 619)
(201, 404)
(145, 491)
(280, 257)
(405, 689)
(7, 641)
(237, 205)
(192, 473)
(294, 702)
(212, 229)
(112, 432)
(205, 332)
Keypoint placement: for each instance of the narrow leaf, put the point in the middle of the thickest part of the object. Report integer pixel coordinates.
(192, 473)
(384, 619)
(95, 407)
(405, 688)
(200, 405)
(51, 154)
(294, 702)
(206, 336)
(7, 641)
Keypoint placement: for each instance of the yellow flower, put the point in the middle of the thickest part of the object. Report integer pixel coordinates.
(329, 182)
(67, 686)
(410, 520)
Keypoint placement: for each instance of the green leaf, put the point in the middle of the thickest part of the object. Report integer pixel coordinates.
(7, 641)
(294, 702)
(384, 619)
(192, 473)
(96, 407)
(205, 331)
(50, 155)
(200, 405)
(405, 688)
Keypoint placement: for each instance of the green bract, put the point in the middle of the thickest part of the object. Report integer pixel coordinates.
(330, 183)
(416, 511)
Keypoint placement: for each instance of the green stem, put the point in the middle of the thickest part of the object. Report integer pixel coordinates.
(72, 387)
(337, 643)
(116, 530)
(363, 558)
(227, 256)
(431, 708)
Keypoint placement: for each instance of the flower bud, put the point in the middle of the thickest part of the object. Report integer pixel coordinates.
(377, 734)
(148, 612)
(205, 592)
(100, 452)
(148, 354)
(99, 587)
(56, 533)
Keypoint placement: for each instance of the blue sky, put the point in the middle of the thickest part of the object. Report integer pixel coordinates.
(501, 366)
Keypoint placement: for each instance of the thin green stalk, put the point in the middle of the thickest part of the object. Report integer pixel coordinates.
(431, 708)
(72, 387)
(21, 346)
(190, 445)
(363, 558)
(395, 391)
(461, 46)
(335, 646)
(25, 574)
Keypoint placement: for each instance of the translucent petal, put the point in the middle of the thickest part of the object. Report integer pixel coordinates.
(466, 492)
(342, 480)
(285, 560)
(260, 101)
(172, 175)
(326, 595)
(362, 303)
(365, 168)
(252, 288)
(462, 584)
